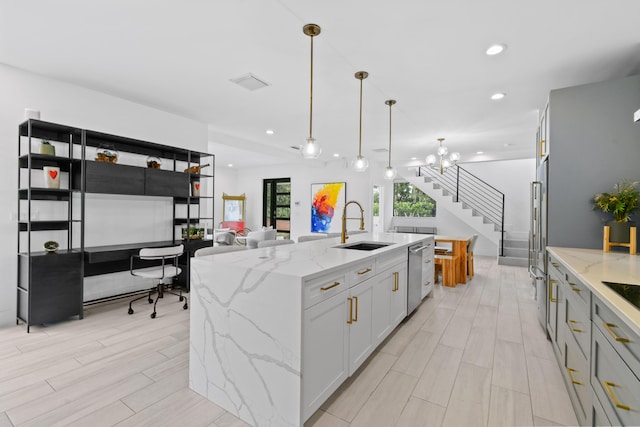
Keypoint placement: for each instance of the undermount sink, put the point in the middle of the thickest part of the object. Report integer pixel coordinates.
(364, 246)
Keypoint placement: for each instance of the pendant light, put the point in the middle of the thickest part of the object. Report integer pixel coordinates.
(390, 173)
(311, 150)
(444, 163)
(360, 163)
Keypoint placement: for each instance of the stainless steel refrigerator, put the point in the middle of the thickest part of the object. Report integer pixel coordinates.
(538, 240)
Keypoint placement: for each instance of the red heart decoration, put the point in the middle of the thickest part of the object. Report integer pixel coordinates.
(53, 174)
(197, 186)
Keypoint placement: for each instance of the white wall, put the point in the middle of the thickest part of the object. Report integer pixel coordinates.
(359, 188)
(75, 106)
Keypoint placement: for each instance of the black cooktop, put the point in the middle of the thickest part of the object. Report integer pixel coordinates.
(629, 292)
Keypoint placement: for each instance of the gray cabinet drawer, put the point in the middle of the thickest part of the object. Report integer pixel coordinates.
(361, 272)
(578, 289)
(577, 321)
(619, 335)
(576, 372)
(598, 416)
(615, 385)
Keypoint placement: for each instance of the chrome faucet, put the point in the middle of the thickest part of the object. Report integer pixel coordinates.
(343, 235)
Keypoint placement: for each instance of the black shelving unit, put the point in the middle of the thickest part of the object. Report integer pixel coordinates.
(50, 286)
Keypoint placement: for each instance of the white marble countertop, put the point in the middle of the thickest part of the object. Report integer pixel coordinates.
(593, 266)
(308, 259)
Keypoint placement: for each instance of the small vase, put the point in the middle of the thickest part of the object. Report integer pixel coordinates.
(47, 149)
(619, 231)
(195, 189)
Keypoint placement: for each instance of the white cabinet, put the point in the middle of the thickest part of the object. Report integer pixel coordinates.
(325, 354)
(427, 269)
(347, 314)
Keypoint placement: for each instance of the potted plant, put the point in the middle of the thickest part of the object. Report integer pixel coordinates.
(47, 148)
(624, 200)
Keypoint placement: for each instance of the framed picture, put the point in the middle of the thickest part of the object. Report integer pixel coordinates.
(327, 201)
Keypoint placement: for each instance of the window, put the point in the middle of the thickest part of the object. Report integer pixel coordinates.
(410, 201)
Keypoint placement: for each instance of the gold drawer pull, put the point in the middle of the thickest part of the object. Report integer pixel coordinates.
(574, 287)
(551, 298)
(350, 321)
(329, 287)
(569, 371)
(355, 319)
(428, 283)
(574, 329)
(608, 327)
(395, 281)
(553, 281)
(612, 396)
(555, 264)
(427, 261)
(364, 272)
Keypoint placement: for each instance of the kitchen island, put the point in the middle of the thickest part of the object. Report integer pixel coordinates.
(275, 331)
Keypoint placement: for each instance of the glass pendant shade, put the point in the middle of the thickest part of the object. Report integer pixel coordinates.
(360, 164)
(390, 173)
(439, 162)
(454, 157)
(431, 159)
(446, 163)
(310, 150)
(442, 151)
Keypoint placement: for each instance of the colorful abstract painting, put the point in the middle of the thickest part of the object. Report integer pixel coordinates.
(327, 201)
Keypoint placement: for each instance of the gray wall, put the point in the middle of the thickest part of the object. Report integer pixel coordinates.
(594, 143)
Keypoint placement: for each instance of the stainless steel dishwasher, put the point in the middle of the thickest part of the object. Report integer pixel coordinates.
(414, 273)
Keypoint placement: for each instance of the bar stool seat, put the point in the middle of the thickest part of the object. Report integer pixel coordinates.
(446, 264)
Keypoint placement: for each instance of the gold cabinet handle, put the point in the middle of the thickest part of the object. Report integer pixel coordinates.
(608, 327)
(542, 152)
(331, 286)
(355, 319)
(427, 261)
(364, 272)
(553, 281)
(350, 321)
(428, 283)
(555, 264)
(395, 281)
(574, 329)
(551, 298)
(575, 287)
(612, 396)
(569, 371)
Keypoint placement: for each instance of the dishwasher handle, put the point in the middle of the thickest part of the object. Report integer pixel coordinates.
(419, 249)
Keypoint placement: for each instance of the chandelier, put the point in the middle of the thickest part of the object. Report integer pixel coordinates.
(311, 150)
(444, 161)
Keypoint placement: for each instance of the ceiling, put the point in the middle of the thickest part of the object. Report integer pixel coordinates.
(179, 56)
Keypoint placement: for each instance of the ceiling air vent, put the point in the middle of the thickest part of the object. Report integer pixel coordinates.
(250, 82)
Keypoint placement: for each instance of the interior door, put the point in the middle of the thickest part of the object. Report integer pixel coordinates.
(276, 209)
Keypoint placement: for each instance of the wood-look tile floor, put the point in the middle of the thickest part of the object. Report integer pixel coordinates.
(474, 355)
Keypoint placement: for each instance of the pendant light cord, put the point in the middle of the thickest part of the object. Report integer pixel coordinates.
(390, 104)
(311, 95)
(360, 137)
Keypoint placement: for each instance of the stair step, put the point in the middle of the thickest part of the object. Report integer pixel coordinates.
(516, 252)
(516, 243)
(518, 262)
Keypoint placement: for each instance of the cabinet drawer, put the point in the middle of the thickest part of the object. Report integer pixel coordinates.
(321, 288)
(576, 372)
(390, 260)
(615, 385)
(577, 288)
(361, 272)
(556, 268)
(577, 321)
(598, 416)
(619, 335)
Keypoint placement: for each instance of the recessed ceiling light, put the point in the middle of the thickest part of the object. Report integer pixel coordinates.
(230, 165)
(336, 155)
(479, 152)
(414, 158)
(496, 49)
(270, 132)
(508, 144)
(497, 96)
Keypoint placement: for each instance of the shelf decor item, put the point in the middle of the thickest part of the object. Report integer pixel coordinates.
(47, 148)
(195, 170)
(51, 246)
(106, 153)
(51, 176)
(195, 189)
(153, 162)
(624, 201)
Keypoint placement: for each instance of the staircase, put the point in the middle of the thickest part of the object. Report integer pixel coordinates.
(516, 252)
(471, 200)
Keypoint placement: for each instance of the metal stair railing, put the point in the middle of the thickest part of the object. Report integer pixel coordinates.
(473, 192)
